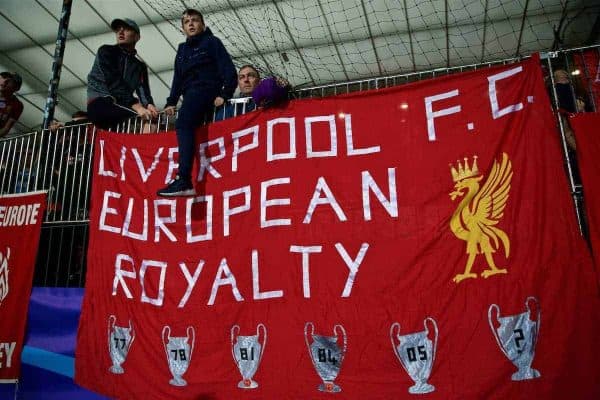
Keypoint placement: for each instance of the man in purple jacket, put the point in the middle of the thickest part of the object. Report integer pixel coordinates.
(206, 77)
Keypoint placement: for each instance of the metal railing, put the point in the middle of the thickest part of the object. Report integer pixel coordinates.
(392, 80)
(59, 161)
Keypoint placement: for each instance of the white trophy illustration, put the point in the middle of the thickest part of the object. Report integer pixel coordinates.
(326, 355)
(4, 274)
(179, 351)
(247, 353)
(517, 336)
(120, 339)
(416, 353)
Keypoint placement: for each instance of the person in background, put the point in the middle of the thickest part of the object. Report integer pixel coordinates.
(116, 74)
(205, 76)
(11, 108)
(252, 92)
(248, 79)
(568, 103)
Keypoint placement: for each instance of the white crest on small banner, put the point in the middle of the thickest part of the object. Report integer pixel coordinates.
(4, 274)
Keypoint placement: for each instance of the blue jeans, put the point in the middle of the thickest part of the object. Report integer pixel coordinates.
(197, 102)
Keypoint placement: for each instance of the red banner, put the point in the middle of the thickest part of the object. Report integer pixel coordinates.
(346, 232)
(20, 223)
(585, 127)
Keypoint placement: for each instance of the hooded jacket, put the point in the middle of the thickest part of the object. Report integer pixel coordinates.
(118, 73)
(202, 62)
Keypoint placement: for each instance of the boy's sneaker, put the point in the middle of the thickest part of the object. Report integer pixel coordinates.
(178, 187)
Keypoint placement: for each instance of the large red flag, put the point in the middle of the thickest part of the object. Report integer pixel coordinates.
(20, 223)
(418, 239)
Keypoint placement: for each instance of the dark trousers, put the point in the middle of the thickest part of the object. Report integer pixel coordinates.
(105, 114)
(197, 102)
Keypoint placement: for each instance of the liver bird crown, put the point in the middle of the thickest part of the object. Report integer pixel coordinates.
(464, 171)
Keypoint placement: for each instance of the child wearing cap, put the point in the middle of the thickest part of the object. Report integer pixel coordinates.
(115, 75)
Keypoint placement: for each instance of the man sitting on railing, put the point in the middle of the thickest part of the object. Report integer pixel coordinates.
(115, 75)
(10, 107)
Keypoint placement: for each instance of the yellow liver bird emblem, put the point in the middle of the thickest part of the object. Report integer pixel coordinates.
(480, 210)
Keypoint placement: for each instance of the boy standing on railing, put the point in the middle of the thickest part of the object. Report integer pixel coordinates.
(116, 74)
(206, 77)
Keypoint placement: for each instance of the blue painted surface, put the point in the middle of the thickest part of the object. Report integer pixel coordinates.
(54, 362)
(49, 353)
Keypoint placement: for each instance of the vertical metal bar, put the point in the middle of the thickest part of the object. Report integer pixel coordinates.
(572, 87)
(563, 139)
(29, 162)
(518, 52)
(485, 22)
(61, 181)
(89, 168)
(70, 168)
(38, 149)
(12, 166)
(48, 172)
(59, 51)
(447, 30)
(78, 183)
(3, 164)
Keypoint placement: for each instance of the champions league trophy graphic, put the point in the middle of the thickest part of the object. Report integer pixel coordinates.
(4, 274)
(416, 353)
(517, 337)
(179, 353)
(120, 339)
(247, 353)
(326, 355)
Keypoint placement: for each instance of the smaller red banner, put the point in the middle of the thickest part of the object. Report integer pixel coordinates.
(20, 223)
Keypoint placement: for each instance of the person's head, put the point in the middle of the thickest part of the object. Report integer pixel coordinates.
(192, 22)
(248, 79)
(79, 115)
(561, 76)
(126, 31)
(10, 82)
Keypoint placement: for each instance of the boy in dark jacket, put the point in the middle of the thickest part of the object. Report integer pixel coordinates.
(206, 77)
(115, 76)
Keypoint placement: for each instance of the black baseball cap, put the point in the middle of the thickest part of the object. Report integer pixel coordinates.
(128, 22)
